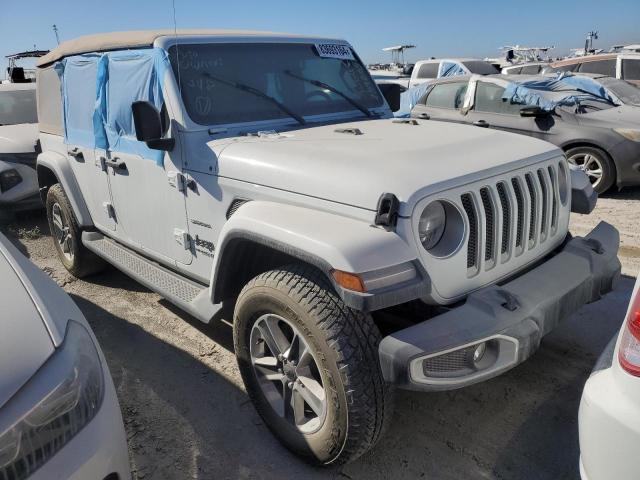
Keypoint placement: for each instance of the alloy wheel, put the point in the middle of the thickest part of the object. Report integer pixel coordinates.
(62, 231)
(288, 373)
(589, 164)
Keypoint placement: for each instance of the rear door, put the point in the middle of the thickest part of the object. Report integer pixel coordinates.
(79, 80)
(443, 102)
(491, 111)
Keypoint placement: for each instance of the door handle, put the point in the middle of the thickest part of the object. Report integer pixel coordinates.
(424, 116)
(115, 163)
(76, 153)
(481, 123)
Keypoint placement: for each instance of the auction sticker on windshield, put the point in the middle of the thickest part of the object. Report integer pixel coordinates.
(334, 50)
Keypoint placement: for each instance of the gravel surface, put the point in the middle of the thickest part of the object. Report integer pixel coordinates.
(187, 416)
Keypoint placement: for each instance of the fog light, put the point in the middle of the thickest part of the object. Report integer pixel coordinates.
(478, 353)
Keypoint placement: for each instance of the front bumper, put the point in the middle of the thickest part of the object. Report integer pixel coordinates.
(500, 326)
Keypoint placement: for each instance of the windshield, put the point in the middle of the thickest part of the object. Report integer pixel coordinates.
(480, 67)
(18, 106)
(626, 92)
(214, 77)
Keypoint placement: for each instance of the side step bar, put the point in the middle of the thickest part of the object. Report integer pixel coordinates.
(182, 292)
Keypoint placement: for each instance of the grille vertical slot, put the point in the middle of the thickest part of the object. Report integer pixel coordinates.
(472, 243)
(506, 217)
(532, 207)
(545, 204)
(490, 223)
(554, 199)
(520, 203)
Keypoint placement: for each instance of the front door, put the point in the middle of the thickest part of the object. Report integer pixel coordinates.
(443, 102)
(491, 111)
(149, 204)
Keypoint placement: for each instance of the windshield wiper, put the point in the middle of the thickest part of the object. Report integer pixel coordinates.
(326, 86)
(258, 93)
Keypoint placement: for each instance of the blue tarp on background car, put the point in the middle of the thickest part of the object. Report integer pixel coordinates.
(409, 98)
(564, 90)
(98, 112)
(450, 69)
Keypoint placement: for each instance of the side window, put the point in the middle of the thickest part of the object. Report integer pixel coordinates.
(603, 67)
(489, 100)
(530, 69)
(447, 95)
(630, 69)
(428, 70)
(49, 101)
(572, 67)
(514, 71)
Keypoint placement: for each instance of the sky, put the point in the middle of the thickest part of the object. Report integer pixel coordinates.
(453, 28)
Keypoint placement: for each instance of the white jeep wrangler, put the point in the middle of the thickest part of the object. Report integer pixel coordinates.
(265, 171)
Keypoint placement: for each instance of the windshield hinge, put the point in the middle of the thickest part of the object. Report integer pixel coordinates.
(351, 131)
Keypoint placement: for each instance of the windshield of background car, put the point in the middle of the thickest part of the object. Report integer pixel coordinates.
(18, 106)
(627, 93)
(208, 72)
(480, 67)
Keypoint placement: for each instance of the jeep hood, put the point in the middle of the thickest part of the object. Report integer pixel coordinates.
(410, 161)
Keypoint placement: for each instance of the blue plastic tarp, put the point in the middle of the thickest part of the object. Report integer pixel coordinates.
(564, 90)
(409, 99)
(98, 112)
(450, 69)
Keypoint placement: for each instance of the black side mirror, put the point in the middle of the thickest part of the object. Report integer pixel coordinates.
(391, 93)
(535, 112)
(148, 124)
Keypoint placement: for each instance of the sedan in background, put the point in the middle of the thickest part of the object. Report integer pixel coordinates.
(18, 147)
(599, 134)
(59, 415)
(609, 418)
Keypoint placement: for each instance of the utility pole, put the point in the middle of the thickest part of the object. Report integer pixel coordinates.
(55, 30)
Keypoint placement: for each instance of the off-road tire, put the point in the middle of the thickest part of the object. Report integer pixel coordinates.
(608, 167)
(345, 344)
(84, 261)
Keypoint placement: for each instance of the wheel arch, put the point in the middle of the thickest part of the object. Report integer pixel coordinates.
(52, 168)
(261, 236)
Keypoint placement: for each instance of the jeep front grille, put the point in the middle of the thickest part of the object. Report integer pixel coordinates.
(517, 214)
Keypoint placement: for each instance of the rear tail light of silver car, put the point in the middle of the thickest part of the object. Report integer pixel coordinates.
(58, 401)
(629, 350)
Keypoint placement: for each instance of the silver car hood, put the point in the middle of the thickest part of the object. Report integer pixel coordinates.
(25, 343)
(623, 115)
(18, 138)
(410, 161)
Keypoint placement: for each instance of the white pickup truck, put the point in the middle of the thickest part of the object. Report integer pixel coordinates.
(359, 252)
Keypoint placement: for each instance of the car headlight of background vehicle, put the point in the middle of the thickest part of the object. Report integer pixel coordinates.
(629, 133)
(440, 228)
(62, 397)
(9, 179)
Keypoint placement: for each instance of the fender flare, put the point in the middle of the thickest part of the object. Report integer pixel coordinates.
(325, 240)
(59, 166)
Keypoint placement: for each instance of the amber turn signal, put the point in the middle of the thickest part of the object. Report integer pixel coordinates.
(350, 281)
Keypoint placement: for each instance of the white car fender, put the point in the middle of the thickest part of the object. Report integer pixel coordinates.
(326, 240)
(59, 165)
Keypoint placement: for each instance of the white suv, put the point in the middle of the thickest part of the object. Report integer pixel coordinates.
(359, 252)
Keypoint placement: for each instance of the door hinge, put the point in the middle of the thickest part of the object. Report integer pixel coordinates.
(183, 238)
(109, 210)
(180, 181)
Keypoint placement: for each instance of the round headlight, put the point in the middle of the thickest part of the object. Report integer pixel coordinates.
(432, 224)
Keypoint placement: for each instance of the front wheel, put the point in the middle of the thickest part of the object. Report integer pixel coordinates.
(310, 365)
(596, 164)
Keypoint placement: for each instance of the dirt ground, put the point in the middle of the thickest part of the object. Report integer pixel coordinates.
(187, 415)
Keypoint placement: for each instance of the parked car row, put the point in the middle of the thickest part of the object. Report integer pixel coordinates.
(267, 172)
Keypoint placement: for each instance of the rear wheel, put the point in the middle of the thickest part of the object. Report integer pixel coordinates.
(66, 234)
(310, 365)
(596, 164)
